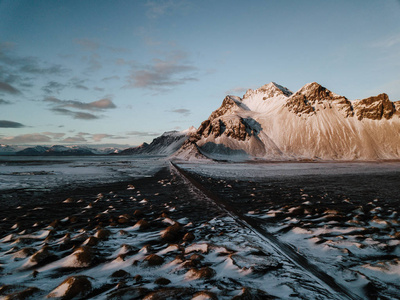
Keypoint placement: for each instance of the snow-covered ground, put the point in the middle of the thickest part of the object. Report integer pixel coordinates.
(27, 172)
(259, 171)
(347, 229)
(163, 239)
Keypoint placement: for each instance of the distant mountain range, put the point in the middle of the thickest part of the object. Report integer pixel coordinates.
(164, 145)
(56, 150)
(273, 123)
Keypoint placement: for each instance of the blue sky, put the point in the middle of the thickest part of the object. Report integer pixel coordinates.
(123, 72)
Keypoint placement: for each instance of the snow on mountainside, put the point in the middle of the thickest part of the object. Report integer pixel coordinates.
(8, 150)
(60, 150)
(314, 123)
(166, 144)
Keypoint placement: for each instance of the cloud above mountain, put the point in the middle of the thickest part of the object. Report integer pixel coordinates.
(8, 88)
(69, 107)
(10, 124)
(163, 73)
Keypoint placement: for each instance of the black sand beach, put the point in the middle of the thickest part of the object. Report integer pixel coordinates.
(92, 214)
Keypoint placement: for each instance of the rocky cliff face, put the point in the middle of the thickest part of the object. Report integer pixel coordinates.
(314, 123)
(375, 108)
(313, 96)
(234, 127)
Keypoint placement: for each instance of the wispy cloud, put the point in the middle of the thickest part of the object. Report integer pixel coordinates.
(162, 74)
(87, 44)
(4, 102)
(10, 124)
(58, 137)
(83, 137)
(115, 77)
(55, 135)
(78, 83)
(387, 42)
(53, 87)
(18, 72)
(64, 107)
(156, 9)
(26, 139)
(5, 87)
(75, 114)
(182, 111)
(98, 137)
(143, 133)
(74, 139)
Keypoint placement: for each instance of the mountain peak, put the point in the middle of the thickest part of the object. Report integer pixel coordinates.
(270, 90)
(315, 91)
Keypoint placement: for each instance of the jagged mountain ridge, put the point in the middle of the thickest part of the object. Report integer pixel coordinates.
(166, 144)
(60, 150)
(313, 123)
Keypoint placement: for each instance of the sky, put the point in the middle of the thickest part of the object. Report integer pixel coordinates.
(123, 72)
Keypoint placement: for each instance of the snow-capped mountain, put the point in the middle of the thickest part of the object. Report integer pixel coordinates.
(8, 150)
(60, 150)
(166, 144)
(314, 123)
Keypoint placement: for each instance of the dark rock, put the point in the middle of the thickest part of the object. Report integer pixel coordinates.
(25, 252)
(205, 295)
(203, 273)
(162, 281)
(72, 287)
(22, 295)
(153, 260)
(170, 294)
(142, 224)
(120, 274)
(102, 234)
(375, 108)
(171, 233)
(253, 294)
(41, 256)
(188, 237)
(84, 256)
(92, 241)
(138, 213)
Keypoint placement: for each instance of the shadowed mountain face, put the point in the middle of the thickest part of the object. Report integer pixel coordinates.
(313, 123)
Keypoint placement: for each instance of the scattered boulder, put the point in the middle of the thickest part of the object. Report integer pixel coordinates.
(205, 295)
(138, 213)
(102, 234)
(153, 260)
(171, 233)
(253, 294)
(170, 294)
(73, 286)
(41, 256)
(80, 258)
(24, 294)
(258, 264)
(91, 241)
(120, 274)
(162, 281)
(25, 252)
(142, 225)
(202, 273)
(188, 237)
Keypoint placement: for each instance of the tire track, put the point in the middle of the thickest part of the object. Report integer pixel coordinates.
(337, 291)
